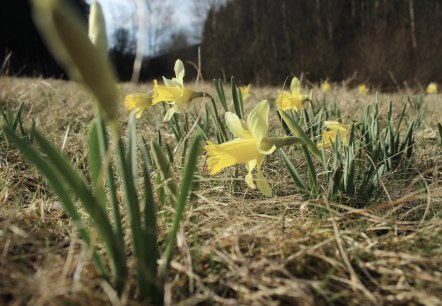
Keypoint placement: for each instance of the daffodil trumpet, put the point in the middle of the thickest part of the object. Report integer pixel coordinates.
(138, 102)
(250, 147)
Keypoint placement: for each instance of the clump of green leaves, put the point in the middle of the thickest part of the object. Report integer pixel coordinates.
(13, 122)
(351, 170)
(99, 199)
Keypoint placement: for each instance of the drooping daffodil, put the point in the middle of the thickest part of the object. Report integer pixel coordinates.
(331, 130)
(245, 91)
(325, 86)
(173, 92)
(362, 89)
(432, 88)
(66, 38)
(293, 99)
(250, 147)
(138, 102)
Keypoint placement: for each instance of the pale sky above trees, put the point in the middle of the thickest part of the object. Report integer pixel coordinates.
(168, 18)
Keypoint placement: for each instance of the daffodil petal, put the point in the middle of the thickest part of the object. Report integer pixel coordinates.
(295, 86)
(230, 153)
(170, 113)
(236, 126)
(179, 71)
(250, 165)
(261, 181)
(170, 83)
(258, 120)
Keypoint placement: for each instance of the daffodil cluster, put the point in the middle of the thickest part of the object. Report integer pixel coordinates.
(251, 143)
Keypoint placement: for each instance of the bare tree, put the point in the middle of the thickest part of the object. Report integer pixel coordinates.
(154, 22)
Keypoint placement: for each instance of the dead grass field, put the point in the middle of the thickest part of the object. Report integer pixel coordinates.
(233, 249)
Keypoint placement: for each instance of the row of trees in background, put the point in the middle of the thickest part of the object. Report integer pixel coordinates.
(22, 51)
(382, 42)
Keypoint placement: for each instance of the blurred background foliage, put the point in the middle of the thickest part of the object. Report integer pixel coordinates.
(386, 43)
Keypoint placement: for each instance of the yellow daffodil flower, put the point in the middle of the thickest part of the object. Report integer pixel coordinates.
(331, 130)
(250, 146)
(432, 88)
(173, 92)
(325, 86)
(138, 102)
(362, 89)
(245, 91)
(293, 99)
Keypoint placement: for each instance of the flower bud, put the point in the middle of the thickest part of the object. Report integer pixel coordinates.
(67, 39)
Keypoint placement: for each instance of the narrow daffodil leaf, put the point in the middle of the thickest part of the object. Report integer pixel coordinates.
(221, 95)
(95, 164)
(98, 215)
(185, 189)
(237, 104)
(165, 169)
(56, 181)
(439, 127)
(154, 288)
(299, 132)
(104, 152)
(128, 178)
(299, 182)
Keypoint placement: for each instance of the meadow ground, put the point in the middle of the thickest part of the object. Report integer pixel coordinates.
(235, 247)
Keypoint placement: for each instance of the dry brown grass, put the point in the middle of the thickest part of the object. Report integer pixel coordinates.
(233, 249)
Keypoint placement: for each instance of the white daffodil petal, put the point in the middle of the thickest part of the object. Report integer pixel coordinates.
(258, 120)
(179, 71)
(236, 126)
(170, 113)
(261, 181)
(250, 165)
(171, 82)
(295, 86)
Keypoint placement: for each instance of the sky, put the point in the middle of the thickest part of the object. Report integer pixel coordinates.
(119, 14)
